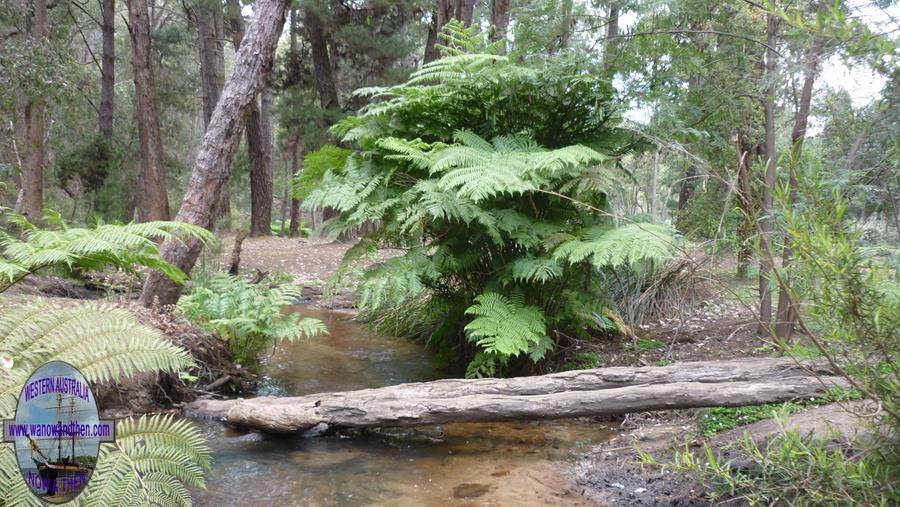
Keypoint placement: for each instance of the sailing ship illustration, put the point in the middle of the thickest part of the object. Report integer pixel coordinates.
(65, 469)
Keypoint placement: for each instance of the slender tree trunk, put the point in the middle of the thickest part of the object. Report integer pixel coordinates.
(654, 183)
(744, 226)
(252, 65)
(767, 222)
(500, 22)
(32, 179)
(787, 317)
(295, 203)
(153, 203)
(261, 174)
(108, 69)
(463, 10)
(612, 33)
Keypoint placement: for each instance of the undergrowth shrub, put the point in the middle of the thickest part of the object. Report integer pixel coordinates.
(491, 176)
(249, 316)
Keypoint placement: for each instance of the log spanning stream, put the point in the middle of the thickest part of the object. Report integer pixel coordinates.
(493, 463)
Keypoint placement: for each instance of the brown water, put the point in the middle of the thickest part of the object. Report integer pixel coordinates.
(454, 464)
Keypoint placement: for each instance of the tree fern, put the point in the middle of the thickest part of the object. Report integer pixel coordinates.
(249, 316)
(71, 250)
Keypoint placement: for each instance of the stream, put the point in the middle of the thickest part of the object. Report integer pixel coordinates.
(521, 463)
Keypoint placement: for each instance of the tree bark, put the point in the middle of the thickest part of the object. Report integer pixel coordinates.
(261, 173)
(108, 69)
(766, 221)
(325, 84)
(612, 33)
(431, 51)
(210, 29)
(500, 22)
(32, 179)
(252, 66)
(153, 203)
(602, 391)
(786, 313)
(654, 185)
(745, 203)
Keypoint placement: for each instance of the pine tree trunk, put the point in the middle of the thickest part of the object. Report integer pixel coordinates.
(612, 33)
(252, 65)
(211, 52)
(766, 222)
(153, 203)
(108, 69)
(500, 22)
(32, 179)
(325, 84)
(261, 173)
(786, 313)
(295, 203)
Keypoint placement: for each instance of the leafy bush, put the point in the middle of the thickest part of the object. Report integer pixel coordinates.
(154, 459)
(249, 316)
(492, 177)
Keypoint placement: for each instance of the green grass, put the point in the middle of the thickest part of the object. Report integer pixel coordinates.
(719, 419)
(649, 344)
(583, 361)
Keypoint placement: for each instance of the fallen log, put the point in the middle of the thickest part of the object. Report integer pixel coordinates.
(602, 391)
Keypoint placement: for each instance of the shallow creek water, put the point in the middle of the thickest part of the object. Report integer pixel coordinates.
(518, 464)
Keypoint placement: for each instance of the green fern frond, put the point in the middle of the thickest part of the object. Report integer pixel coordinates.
(104, 342)
(153, 462)
(507, 327)
(73, 249)
(627, 245)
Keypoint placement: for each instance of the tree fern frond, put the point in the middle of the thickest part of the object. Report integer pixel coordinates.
(626, 245)
(507, 327)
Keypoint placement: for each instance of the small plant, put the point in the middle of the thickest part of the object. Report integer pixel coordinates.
(249, 316)
(583, 361)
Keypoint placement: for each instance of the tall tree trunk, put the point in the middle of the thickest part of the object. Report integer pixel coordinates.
(252, 65)
(463, 10)
(209, 20)
(612, 33)
(108, 69)
(325, 84)
(654, 185)
(500, 22)
(687, 187)
(261, 174)
(766, 222)
(431, 51)
(153, 204)
(32, 179)
(786, 314)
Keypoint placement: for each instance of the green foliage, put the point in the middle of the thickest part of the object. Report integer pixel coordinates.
(315, 165)
(720, 419)
(505, 327)
(649, 344)
(583, 361)
(498, 206)
(73, 250)
(249, 316)
(795, 470)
